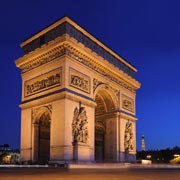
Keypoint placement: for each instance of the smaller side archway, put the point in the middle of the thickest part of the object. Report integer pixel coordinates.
(41, 135)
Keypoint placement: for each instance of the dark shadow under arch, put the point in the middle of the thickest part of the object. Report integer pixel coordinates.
(42, 135)
(105, 106)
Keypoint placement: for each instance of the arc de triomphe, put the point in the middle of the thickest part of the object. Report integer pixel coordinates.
(78, 98)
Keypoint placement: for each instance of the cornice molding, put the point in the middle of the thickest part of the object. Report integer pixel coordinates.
(56, 96)
(109, 71)
(87, 53)
(65, 47)
(127, 116)
(39, 53)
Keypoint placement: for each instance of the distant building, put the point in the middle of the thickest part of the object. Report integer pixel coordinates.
(160, 156)
(9, 156)
(4, 147)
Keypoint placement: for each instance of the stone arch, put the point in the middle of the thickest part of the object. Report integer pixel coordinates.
(40, 113)
(108, 93)
(41, 126)
(105, 110)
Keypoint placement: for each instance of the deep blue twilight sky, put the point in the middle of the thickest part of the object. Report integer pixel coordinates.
(145, 32)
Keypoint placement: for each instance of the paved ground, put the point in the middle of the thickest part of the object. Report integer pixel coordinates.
(126, 173)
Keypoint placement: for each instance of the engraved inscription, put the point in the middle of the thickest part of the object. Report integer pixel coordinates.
(79, 80)
(43, 82)
(127, 103)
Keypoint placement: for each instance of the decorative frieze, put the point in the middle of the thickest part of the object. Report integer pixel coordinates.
(79, 81)
(67, 50)
(98, 68)
(43, 82)
(127, 103)
(46, 58)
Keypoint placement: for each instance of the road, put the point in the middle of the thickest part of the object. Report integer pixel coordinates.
(51, 173)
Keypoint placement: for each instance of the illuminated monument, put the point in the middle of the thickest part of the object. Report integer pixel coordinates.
(142, 143)
(78, 98)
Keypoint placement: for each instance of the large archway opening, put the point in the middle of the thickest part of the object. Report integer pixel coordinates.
(42, 136)
(104, 126)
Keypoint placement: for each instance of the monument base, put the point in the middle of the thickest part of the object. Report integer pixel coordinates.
(127, 158)
(81, 152)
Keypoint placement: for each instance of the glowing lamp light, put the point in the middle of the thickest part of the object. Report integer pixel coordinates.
(148, 156)
(176, 155)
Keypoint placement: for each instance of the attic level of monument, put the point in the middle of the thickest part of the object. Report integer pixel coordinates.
(67, 26)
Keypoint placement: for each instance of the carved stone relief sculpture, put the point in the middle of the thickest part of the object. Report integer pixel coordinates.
(128, 137)
(127, 103)
(79, 80)
(43, 82)
(80, 126)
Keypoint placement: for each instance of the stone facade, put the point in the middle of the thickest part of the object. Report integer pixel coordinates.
(78, 98)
